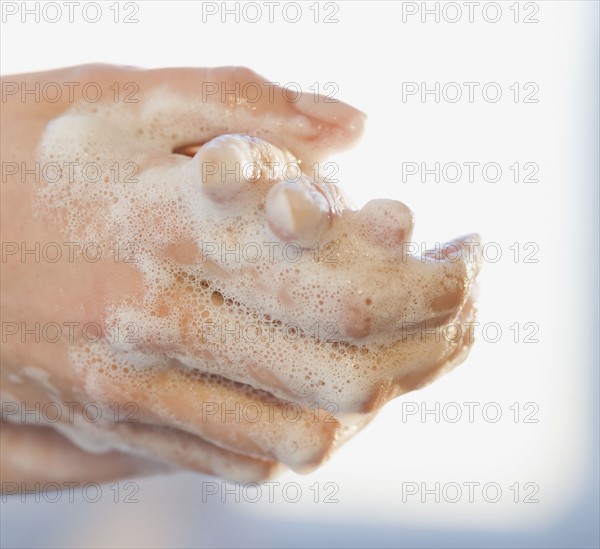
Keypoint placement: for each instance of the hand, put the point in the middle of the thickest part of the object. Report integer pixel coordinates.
(245, 318)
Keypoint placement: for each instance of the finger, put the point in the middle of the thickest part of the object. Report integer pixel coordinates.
(301, 211)
(446, 349)
(167, 109)
(230, 165)
(34, 455)
(178, 449)
(230, 415)
(200, 104)
(366, 290)
(207, 332)
(423, 354)
(334, 279)
(408, 290)
(122, 443)
(386, 224)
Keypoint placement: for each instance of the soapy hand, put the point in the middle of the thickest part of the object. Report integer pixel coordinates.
(221, 308)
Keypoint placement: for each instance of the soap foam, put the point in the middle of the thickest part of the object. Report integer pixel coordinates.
(366, 292)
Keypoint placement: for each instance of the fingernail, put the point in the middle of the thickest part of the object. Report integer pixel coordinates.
(297, 211)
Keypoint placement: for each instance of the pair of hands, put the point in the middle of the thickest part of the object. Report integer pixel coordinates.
(163, 307)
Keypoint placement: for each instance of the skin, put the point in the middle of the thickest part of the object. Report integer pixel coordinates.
(171, 429)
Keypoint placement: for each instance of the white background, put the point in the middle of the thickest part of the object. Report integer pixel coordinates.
(369, 53)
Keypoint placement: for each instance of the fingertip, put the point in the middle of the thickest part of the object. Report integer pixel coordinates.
(386, 223)
(331, 111)
(295, 211)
